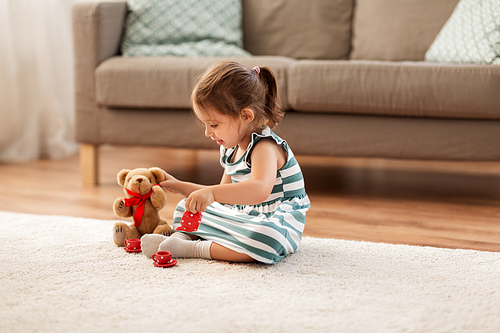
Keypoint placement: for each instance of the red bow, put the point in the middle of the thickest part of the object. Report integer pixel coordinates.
(138, 200)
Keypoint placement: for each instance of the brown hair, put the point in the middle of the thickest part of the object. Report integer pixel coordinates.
(229, 87)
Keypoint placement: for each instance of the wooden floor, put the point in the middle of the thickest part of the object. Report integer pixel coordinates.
(442, 204)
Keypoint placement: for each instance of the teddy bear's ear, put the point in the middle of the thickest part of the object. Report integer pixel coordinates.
(121, 177)
(158, 173)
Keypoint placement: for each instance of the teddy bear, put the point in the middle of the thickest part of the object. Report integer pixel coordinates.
(144, 199)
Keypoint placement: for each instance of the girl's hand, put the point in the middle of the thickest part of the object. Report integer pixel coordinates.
(199, 200)
(170, 184)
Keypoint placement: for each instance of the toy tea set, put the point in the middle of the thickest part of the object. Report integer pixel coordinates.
(189, 222)
(144, 200)
(160, 258)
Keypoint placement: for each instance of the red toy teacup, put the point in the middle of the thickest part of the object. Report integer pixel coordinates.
(162, 257)
(133, 244)
(190, 222)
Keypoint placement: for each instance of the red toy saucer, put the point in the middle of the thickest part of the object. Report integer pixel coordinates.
(132, 250)
(170, 264)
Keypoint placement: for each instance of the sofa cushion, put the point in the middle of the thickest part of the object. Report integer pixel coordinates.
(314, 29)
(397, 30)
(166, 82)
(471, 35)
(417, 89)
(183, 28)
(391, 137)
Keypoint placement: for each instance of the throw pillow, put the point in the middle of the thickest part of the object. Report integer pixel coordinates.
(192, 28)
(471, 34)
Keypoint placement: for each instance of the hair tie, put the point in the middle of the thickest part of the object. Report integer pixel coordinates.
(257, 69)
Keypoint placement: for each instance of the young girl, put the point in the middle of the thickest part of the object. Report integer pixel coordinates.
(258, 210)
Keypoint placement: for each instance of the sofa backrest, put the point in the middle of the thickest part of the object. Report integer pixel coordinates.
(397, 29)
(301, 29)
(392, 30)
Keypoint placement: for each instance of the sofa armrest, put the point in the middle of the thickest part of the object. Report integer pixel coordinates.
(97, 28)
(97, 31)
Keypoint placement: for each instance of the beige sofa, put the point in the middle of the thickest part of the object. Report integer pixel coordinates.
(352, 77)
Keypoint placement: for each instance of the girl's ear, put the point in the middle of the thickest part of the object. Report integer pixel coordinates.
(247, 115)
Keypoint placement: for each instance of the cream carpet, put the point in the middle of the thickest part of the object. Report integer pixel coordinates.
(64, 274)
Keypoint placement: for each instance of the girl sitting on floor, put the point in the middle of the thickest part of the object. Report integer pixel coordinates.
(258, 211)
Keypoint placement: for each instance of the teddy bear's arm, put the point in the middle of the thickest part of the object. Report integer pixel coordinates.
(120, 209)
(158, 198)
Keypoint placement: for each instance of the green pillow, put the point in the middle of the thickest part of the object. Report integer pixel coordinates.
(192, 28)
(471, 34)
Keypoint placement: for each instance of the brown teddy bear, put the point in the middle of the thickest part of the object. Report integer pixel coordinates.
(144, 199)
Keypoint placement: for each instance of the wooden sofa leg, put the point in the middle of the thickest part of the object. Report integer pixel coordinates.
(89, 164)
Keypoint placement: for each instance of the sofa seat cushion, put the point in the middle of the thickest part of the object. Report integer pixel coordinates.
(416, 89)
(166, 82)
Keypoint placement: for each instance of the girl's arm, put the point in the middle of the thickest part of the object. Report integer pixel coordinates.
(267, 157)
(173, 185)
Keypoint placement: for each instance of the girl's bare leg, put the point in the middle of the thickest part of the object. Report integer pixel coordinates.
(219, 252)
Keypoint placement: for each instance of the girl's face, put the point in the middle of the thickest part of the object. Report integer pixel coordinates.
(225, 130)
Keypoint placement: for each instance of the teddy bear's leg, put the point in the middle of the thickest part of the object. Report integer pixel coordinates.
(163, 228)
(134, 233)
(121, 232)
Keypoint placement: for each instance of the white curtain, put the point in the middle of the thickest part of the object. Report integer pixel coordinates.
(36, 80)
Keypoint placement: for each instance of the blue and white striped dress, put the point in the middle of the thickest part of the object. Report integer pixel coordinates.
(268, 231)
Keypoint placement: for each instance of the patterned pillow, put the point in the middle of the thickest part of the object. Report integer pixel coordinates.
(471, 34)
(192, 28)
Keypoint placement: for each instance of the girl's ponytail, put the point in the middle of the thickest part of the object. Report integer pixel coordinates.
(274, 112)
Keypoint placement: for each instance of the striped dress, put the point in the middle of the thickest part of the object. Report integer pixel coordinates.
(268, 231)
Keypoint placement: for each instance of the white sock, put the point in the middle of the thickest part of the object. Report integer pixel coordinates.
(182, 246)
(150, 243)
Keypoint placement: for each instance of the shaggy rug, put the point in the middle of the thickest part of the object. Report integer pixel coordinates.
(64, 274)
